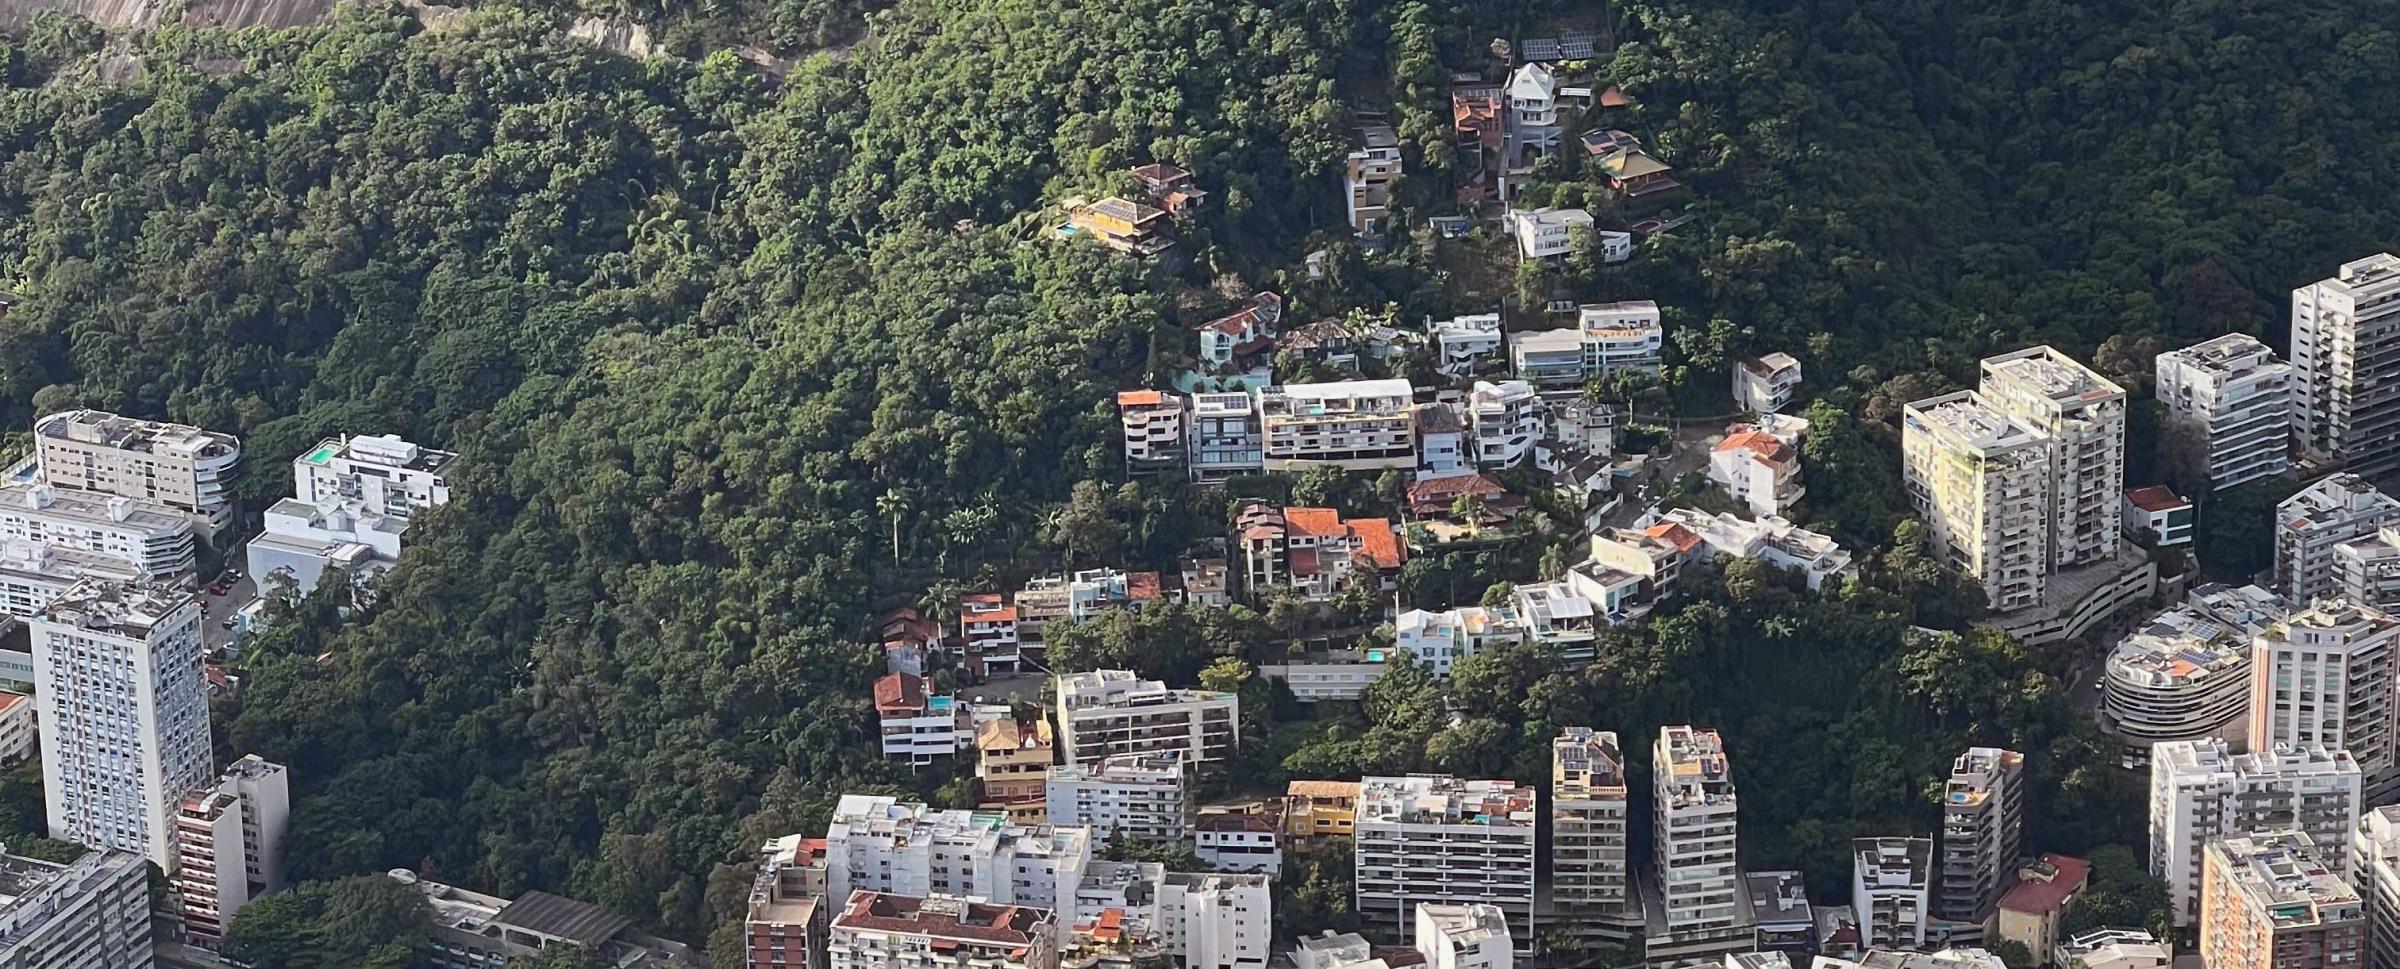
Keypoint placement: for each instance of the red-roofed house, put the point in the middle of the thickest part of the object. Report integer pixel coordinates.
(1152, 423)
(2159, 514)
(1315, 550)
(1169, 186)
(1249, 330)
(1758, 469)
(2030, 911)
(908, 638)
(918, 728)
(874, 930)
(987, 630)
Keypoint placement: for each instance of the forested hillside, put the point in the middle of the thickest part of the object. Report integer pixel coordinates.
(708, 339)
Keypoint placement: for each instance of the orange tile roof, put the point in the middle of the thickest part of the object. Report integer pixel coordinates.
(1377, 541)
(1760, 444)
(1317, 522)
(1322, 789)
(9, 700)
(2044, 897)
(1140, 398)
(1684, 539)
(1141, 586)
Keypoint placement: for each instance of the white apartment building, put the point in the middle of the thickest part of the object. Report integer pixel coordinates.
(916, 728)
(2375, 870)
(1442, 448)
(1771, 539)
(1507, 418)
(1983, 832)
(2200, 791)
(2185, 674)
(875, 930)
(2083, 416)
(229, 846)
(381, 473)
(2325, 675)
(1472, 936)
(2311, 524)
(177, 465)
(303, 541)
(1591, 879)
(33, 575)
(123, 712)
(788, 916)
(1216, 920)
(2114, 949)
(1606, 338)
(1437, 640)
(1462, 342)
(1152, 425)
(94, 912)
(880, 844)
(1547, 233)
(1758, 469)
(1694, 833)
(1764, 385)
(150, 539)
(1354, 425)
(1891, 883)
(1981, 480)
(2346, 366)
(1107, 712)
(2367, 570)
(1335, 674)
(1225, 436)
(1143, 797)
(1441, 840)
(2238, 397)
(1532, 115)
(1239, 841)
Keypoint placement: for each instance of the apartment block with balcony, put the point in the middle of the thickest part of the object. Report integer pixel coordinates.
(1226, 439)
(2272, 899)
(1759, 469)
(1891, 889)
(2235, 397)
(229, 847)
(2082, 414)
(882, 844)
(1765, 385)
(2366, 570)
(788, 918)
(39, 521)
(1591, 877)
(1695, 833)
(1426, 839)
(2346, 366)
(2201, 791)
(382, 474)
(177, 465)
(1367, 176)
(2311, 524)
(2326, 675)
(2375, 869)
(1983, 830)
(2185, 673)
(1355, 425)
(875, 930)
(1104, 713)
(1143, 797)
(1507, 421)
(1247, 839)
(1315, 810)
(1982, 482)
(918, 728)
(1013, 763)
(91, 912)
(1153, 426)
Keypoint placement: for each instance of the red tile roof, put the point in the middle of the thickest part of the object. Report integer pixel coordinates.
(1760, 444)
(1447, 489)
(1304, 561)
(1141, 586)
(1684, 539)
(1377, 541)
(899, 693)
(2156, 498)
(9, 700)
(1010, 925)
(1316, 522)
(2037, 897)
(1140, 398)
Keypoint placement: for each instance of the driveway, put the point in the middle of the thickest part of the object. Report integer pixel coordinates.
(215, 609)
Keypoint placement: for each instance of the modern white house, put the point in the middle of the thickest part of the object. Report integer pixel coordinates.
(1765, 385)
(1460, 343)
(1547, 233)
(1507, 421)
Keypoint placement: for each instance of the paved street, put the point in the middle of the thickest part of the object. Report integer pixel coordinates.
(216, 608)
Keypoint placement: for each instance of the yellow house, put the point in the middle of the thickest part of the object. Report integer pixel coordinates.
(1321, 809)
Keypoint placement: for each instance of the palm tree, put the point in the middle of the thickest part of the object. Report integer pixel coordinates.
(893, 505)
